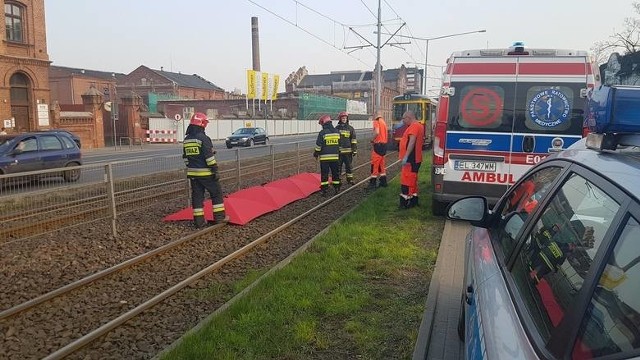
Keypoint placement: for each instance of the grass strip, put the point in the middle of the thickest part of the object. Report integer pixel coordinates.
(358, 292)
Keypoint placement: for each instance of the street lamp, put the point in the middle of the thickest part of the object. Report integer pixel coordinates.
(426, 51)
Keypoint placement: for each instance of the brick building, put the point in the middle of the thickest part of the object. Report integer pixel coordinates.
(153, 85)
(69, 84)
(24, 66)
(354, 85)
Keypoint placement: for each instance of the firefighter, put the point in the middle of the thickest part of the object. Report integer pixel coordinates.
(202, 171)
(410, 153)
(327, 150)
(379, 142)
(348, 145)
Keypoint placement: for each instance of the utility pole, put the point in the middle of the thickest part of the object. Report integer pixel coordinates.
(378, 46)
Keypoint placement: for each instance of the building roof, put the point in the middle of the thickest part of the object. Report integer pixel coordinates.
(191, 81)
(346, 76)
(69, 71)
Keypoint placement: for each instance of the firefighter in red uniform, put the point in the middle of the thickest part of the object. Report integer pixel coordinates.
(327, 150)
(202, 171)
(379, 142)
(410, 153)
(348, 145)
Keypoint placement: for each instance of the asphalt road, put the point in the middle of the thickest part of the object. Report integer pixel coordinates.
(156, 158)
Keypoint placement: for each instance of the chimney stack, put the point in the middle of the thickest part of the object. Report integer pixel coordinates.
(255, 43)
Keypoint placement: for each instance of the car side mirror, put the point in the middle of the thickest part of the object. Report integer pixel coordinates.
(473, 209)
(16, 152)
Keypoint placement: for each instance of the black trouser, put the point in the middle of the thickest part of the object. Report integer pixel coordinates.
(198, 187)
(325, 167)
(346, 159)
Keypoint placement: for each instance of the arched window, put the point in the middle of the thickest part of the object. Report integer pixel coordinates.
(14, 24)
(19, 89)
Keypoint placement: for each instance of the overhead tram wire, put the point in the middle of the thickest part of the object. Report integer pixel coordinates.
(306, 31)
(410, 33)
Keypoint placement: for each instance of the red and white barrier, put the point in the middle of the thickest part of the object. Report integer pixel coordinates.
(163, 136)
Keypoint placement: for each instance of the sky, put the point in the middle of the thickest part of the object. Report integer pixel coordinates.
(212, 38)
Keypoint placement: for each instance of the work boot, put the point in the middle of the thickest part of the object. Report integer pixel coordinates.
(383, 181)
(220, 219)
(336, 189)
(350, 180)
(413, 201)
(372, 184)
(323, 191)
(404, 203)
(199, 222)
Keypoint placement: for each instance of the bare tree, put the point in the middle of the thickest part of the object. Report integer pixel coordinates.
(626, 41)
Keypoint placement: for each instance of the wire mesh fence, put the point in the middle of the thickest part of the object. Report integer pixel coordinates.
(40, 202)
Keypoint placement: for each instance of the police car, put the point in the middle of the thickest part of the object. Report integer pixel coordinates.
(553, 270)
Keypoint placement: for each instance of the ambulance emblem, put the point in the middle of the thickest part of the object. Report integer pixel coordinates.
(549, 108)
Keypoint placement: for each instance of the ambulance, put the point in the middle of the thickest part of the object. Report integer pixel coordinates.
(500, 112)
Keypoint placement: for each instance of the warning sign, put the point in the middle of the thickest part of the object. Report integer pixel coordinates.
(481, 107)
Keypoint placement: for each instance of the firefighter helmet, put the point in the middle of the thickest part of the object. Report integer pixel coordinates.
(324, 119)
(341, 114)
(199, 119)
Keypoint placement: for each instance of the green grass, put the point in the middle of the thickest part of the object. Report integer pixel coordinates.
(358, 292)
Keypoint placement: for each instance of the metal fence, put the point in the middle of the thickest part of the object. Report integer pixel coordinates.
(40, 202)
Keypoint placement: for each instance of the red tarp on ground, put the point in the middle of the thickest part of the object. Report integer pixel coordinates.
(248, 204)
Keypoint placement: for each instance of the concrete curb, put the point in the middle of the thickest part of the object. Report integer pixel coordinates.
(421, 349)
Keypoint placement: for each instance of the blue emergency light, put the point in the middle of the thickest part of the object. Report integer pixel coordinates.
(614, 117)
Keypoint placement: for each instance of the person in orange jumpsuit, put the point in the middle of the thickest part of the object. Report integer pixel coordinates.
(379, 142)
(410, 153)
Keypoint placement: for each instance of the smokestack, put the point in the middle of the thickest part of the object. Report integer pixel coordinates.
(255, 43)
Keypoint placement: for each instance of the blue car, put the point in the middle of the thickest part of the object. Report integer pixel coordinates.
(40, 151)
(553, 270)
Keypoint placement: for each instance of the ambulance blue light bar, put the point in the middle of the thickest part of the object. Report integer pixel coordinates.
(615, 109)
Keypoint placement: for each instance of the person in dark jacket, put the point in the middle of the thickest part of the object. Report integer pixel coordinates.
(202, 171)
(348, 145)
(327, 150)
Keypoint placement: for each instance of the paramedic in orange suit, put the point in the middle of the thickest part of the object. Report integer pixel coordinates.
(379, 142)
(410, 153)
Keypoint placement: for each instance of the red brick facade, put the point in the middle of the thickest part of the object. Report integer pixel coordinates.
(24, 67)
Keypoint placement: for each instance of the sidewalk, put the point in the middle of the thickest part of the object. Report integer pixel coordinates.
(438, 335)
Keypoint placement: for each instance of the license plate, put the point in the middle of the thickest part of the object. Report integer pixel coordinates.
(474, 165)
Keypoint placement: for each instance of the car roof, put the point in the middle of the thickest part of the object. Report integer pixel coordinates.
(621, 167)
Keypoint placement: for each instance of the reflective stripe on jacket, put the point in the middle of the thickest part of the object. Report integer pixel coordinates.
(328, 144)
(198, 153)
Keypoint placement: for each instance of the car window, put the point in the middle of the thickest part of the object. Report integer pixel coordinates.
(612, 321)
(68, 143)
(28, 144)
(559, 250)
(50, 142)
(523, 200)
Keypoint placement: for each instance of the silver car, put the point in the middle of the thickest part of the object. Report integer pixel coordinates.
(553, 270)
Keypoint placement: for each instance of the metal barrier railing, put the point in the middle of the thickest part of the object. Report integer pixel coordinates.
(40, 202)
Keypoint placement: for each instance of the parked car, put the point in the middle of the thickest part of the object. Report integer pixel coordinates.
(73, 136)
(40, 151)
(553, 271)
(247, 136)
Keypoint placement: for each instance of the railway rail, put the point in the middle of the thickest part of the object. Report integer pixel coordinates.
(104, 314)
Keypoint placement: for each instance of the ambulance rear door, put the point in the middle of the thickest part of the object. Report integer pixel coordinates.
(549, 108)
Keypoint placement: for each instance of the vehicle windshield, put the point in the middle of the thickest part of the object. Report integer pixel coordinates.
(400, 108)
(243, 131)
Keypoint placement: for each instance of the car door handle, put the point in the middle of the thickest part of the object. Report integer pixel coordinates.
(468, 296)
(528, 143)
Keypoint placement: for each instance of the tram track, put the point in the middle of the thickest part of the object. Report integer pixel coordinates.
(119, 293)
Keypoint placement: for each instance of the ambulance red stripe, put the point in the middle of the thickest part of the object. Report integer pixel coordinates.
(483, 68)
(553, 69)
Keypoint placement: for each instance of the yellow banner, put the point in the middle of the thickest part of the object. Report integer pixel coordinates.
(265, 86)
(251, 84)
(276, 80)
